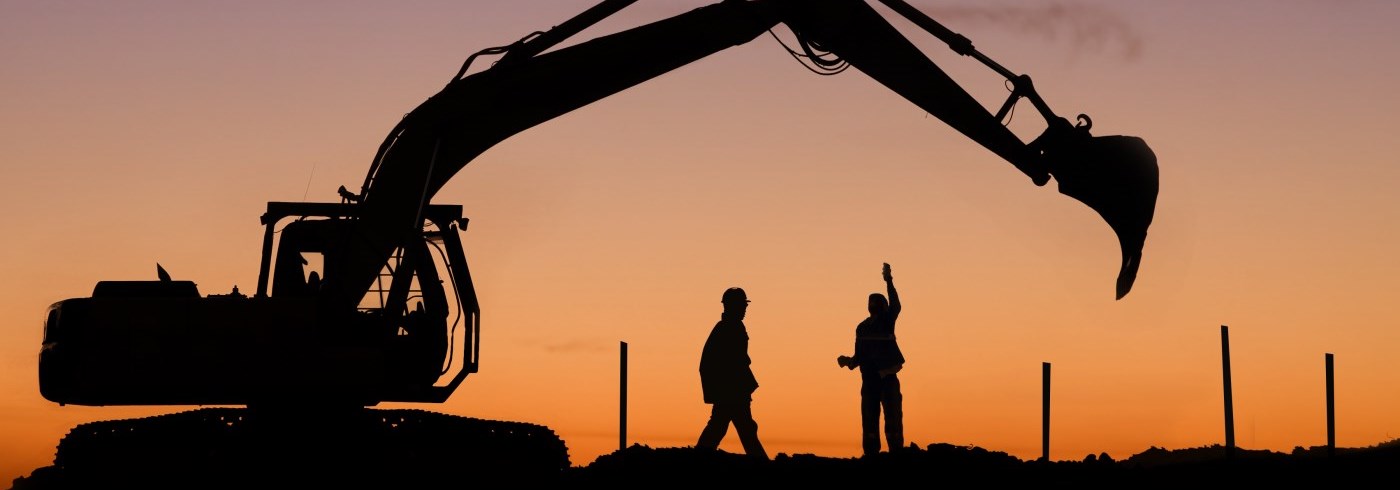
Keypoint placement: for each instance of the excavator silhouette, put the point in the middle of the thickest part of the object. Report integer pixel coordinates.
(370, 300)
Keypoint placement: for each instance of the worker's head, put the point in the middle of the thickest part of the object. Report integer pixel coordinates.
(735, 301)
(878, 304)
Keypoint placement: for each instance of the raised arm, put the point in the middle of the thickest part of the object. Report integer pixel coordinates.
(889, 290)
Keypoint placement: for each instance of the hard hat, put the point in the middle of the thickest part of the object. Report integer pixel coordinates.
(734, 295)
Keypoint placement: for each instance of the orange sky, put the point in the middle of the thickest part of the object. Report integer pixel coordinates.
(143, 132)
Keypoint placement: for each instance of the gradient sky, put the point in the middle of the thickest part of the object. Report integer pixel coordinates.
(155, 131)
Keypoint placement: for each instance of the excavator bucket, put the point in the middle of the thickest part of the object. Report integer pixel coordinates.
(1116, 176)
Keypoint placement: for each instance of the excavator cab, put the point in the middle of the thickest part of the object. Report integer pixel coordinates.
(421, 303)
(163, 343)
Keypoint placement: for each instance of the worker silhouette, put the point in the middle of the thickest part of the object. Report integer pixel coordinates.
(879, 359)
(726, 379)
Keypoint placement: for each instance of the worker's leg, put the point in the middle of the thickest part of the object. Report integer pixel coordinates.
(747, 428)
(893, 402)
(870, 416)
(715, 429)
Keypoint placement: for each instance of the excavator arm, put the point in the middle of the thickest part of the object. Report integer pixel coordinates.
(528, 86)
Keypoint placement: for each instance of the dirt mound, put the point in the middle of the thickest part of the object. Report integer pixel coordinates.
(943, 464)
(425, 450)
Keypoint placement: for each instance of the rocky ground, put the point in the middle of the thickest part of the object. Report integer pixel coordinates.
(683, 467)
(935, 465)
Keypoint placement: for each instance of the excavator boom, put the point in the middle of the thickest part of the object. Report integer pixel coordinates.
(475, 112)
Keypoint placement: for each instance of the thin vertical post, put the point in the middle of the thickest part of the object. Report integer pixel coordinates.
(1331, 413)
(1229, 399)
(1045, 411)
(622, 401)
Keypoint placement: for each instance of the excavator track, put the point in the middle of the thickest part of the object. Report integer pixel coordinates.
(363, 448)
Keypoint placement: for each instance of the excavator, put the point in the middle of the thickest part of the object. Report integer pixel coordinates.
(369, 300)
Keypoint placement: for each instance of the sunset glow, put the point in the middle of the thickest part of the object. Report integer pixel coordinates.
(156, 131)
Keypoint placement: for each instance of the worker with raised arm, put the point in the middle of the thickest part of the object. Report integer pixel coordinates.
(879, 359)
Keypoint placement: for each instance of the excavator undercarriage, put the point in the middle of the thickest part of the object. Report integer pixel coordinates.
(351, 448)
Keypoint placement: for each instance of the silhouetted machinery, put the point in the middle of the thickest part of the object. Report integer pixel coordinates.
(369, 300)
